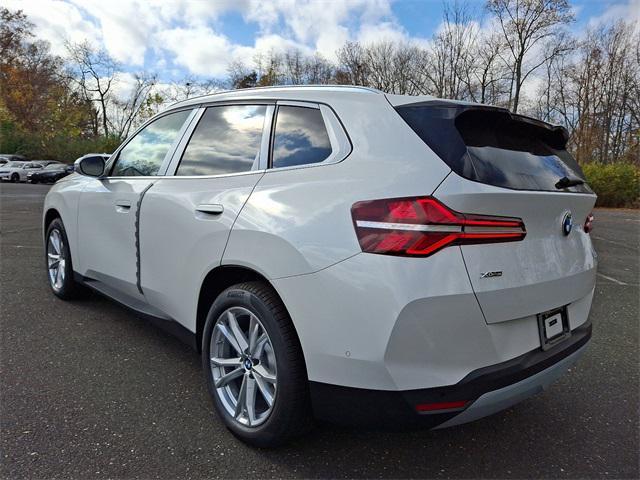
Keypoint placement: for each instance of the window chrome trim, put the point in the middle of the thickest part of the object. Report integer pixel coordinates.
(221, 175)
(296, 103)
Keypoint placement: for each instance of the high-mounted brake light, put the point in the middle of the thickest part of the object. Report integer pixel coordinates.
(588, 223)
(420, 226)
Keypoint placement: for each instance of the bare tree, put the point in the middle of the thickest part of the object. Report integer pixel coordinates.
(318, 70)
(128, 110)
(269, 68)
(240, 76)
(450, 60)
(489, 76)
(526, 25)
(94, 71)
(352, 64)
(189, 87)
(294, 64)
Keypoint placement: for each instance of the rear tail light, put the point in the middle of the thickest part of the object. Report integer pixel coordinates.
(420, 226)
(588, 223)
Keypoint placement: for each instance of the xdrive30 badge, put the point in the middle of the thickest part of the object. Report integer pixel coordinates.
(567, 223)
(490, 274)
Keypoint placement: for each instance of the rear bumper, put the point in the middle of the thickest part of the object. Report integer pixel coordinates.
(485, 391)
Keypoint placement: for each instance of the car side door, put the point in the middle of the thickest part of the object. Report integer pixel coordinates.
(108, 208)
(27, 168)
(186, 219)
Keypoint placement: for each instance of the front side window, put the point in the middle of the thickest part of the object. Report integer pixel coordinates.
(144, 154)
(226, 140)
(300, 137)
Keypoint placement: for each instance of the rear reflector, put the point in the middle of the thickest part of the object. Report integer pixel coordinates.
(420, 226)
(588, 223)
(431, 407)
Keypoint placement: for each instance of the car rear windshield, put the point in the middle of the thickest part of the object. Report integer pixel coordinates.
(492, 146)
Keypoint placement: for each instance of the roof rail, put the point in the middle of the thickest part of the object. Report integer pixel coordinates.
(277, 87)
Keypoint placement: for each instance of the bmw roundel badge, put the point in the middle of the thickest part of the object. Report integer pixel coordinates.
(567, 224)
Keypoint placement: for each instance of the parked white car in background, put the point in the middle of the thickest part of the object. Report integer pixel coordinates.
(341, 253)
(16, 171)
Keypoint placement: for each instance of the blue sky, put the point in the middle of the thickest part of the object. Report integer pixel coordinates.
(198, 38)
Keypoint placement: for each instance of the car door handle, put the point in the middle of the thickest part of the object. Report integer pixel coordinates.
(123, 206)
(210, 208)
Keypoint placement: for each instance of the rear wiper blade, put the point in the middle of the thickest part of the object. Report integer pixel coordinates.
(566, 182)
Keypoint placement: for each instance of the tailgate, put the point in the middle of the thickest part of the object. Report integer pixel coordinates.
(546, 270)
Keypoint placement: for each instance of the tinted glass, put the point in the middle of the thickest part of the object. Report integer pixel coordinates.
(300, 137)
(226, 140)
(492, 146)
(144, 154)
(54, 166)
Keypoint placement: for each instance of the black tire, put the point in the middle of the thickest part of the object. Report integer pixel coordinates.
(34, 181)
(70, 289)
(291, 414)
(15, 178)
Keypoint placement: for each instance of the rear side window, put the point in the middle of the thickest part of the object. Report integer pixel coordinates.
(492, 146)
(226, 140)
(300, 137)
(144, 154)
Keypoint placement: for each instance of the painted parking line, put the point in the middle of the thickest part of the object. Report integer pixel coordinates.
(620, 244)
(614, 280)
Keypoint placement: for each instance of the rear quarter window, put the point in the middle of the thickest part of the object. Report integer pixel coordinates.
(300, 137)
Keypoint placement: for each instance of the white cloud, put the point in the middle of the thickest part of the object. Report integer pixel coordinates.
(325, 26)
(629, 12)
(200, 50)
(384, 31)
(57, 22)
(126, 26)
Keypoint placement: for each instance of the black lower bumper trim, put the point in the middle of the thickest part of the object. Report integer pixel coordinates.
(363, 407)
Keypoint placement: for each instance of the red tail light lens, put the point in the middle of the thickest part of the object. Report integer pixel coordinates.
(588, 223)
(420, 226)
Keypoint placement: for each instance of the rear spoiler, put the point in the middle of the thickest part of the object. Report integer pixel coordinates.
(462, 107)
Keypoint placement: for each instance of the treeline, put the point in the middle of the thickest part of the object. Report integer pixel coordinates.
(526, 60)
(519, 54)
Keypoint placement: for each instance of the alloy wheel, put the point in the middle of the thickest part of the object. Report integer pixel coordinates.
(55, 259)
(243, 365)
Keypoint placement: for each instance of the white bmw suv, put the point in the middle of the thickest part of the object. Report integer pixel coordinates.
(339, 253)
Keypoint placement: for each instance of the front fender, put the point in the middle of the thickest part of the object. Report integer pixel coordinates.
(64, 198)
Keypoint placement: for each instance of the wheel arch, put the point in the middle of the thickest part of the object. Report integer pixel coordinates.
(51, 214)
(215, 282)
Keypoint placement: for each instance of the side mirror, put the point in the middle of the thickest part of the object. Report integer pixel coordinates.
(90, 166)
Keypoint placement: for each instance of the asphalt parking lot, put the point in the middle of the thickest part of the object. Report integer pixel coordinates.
(88, 390)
